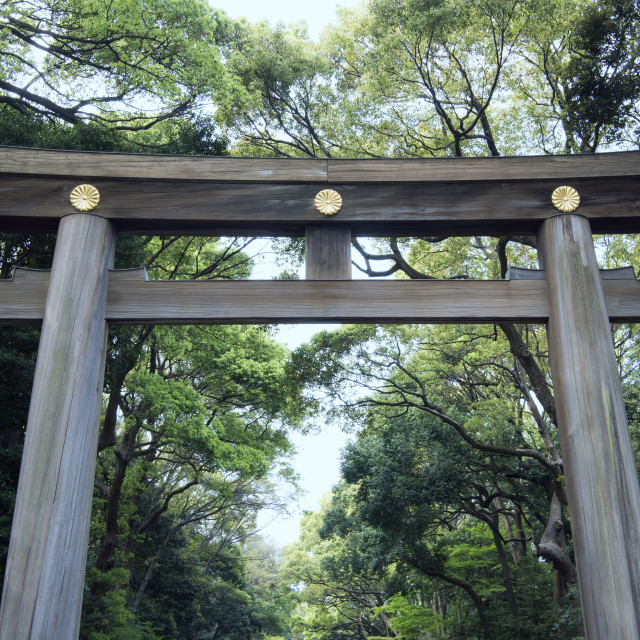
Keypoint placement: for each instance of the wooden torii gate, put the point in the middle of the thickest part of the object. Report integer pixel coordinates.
(275, 197)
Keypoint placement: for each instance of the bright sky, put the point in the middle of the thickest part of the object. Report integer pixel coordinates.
(318, 456)
(316, 14)
(317, 461)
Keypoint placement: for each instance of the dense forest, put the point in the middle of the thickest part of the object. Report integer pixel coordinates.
(450, 520)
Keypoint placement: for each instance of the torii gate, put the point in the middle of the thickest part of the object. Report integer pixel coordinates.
(157, 195)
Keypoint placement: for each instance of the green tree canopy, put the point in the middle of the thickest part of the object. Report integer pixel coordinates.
(128, 64)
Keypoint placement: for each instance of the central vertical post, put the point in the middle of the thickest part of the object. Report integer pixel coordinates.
(328, 253)
(599, 465)
(44, 578)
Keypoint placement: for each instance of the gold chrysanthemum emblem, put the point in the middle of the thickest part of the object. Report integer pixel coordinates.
(565, 199)
(328, 202)
(85, 197)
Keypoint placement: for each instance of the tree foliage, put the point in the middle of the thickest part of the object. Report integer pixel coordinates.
(450, 520)
(443, 78)
(128, 64)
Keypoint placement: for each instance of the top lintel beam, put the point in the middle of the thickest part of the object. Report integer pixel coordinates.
(142, 166)
(184, 195)
(45, 162)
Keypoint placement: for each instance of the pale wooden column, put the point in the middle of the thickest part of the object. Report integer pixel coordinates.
(328, 253)
(601, 479)
(44, 578)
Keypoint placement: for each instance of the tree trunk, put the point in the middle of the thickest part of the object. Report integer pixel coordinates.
(551, 547)
(522, 539)
(506, 574)
(516, 546)
(477, 600)
(124, 456)
(108, 542)
(152, 565)
(440, 608)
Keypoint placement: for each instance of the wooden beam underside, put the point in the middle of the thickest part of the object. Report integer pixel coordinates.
(144, 194)
(132, 300)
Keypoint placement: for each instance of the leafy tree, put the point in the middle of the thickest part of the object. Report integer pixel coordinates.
(442, 78)
(439, 512)
(186, 136)
(583, 92)
(333, 582)
(195, 420)
(281, 95)
(274, 601)
(128, 64)
(459, 382)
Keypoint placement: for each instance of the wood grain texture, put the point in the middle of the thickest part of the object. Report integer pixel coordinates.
(44, 578)
(85, 164)
(225, 302)
(599, 465)
(485, 169)
(263, 209)
(621, 273)
(122, 165)
(327, 253)
(22, 300)
(266, 196)
(622, 299)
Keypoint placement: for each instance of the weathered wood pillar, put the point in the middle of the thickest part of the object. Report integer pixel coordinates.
(328, 253)
(44, 578)
(601, 479)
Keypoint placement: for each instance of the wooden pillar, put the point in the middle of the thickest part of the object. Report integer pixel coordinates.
(44, 578)
(328, 253)
(601, 479)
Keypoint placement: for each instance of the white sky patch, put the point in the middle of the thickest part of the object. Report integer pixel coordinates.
(318, 463)
(317, 15)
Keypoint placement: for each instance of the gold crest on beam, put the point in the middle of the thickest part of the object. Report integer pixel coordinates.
(328, 202)
(565, 199)
(84, 197)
